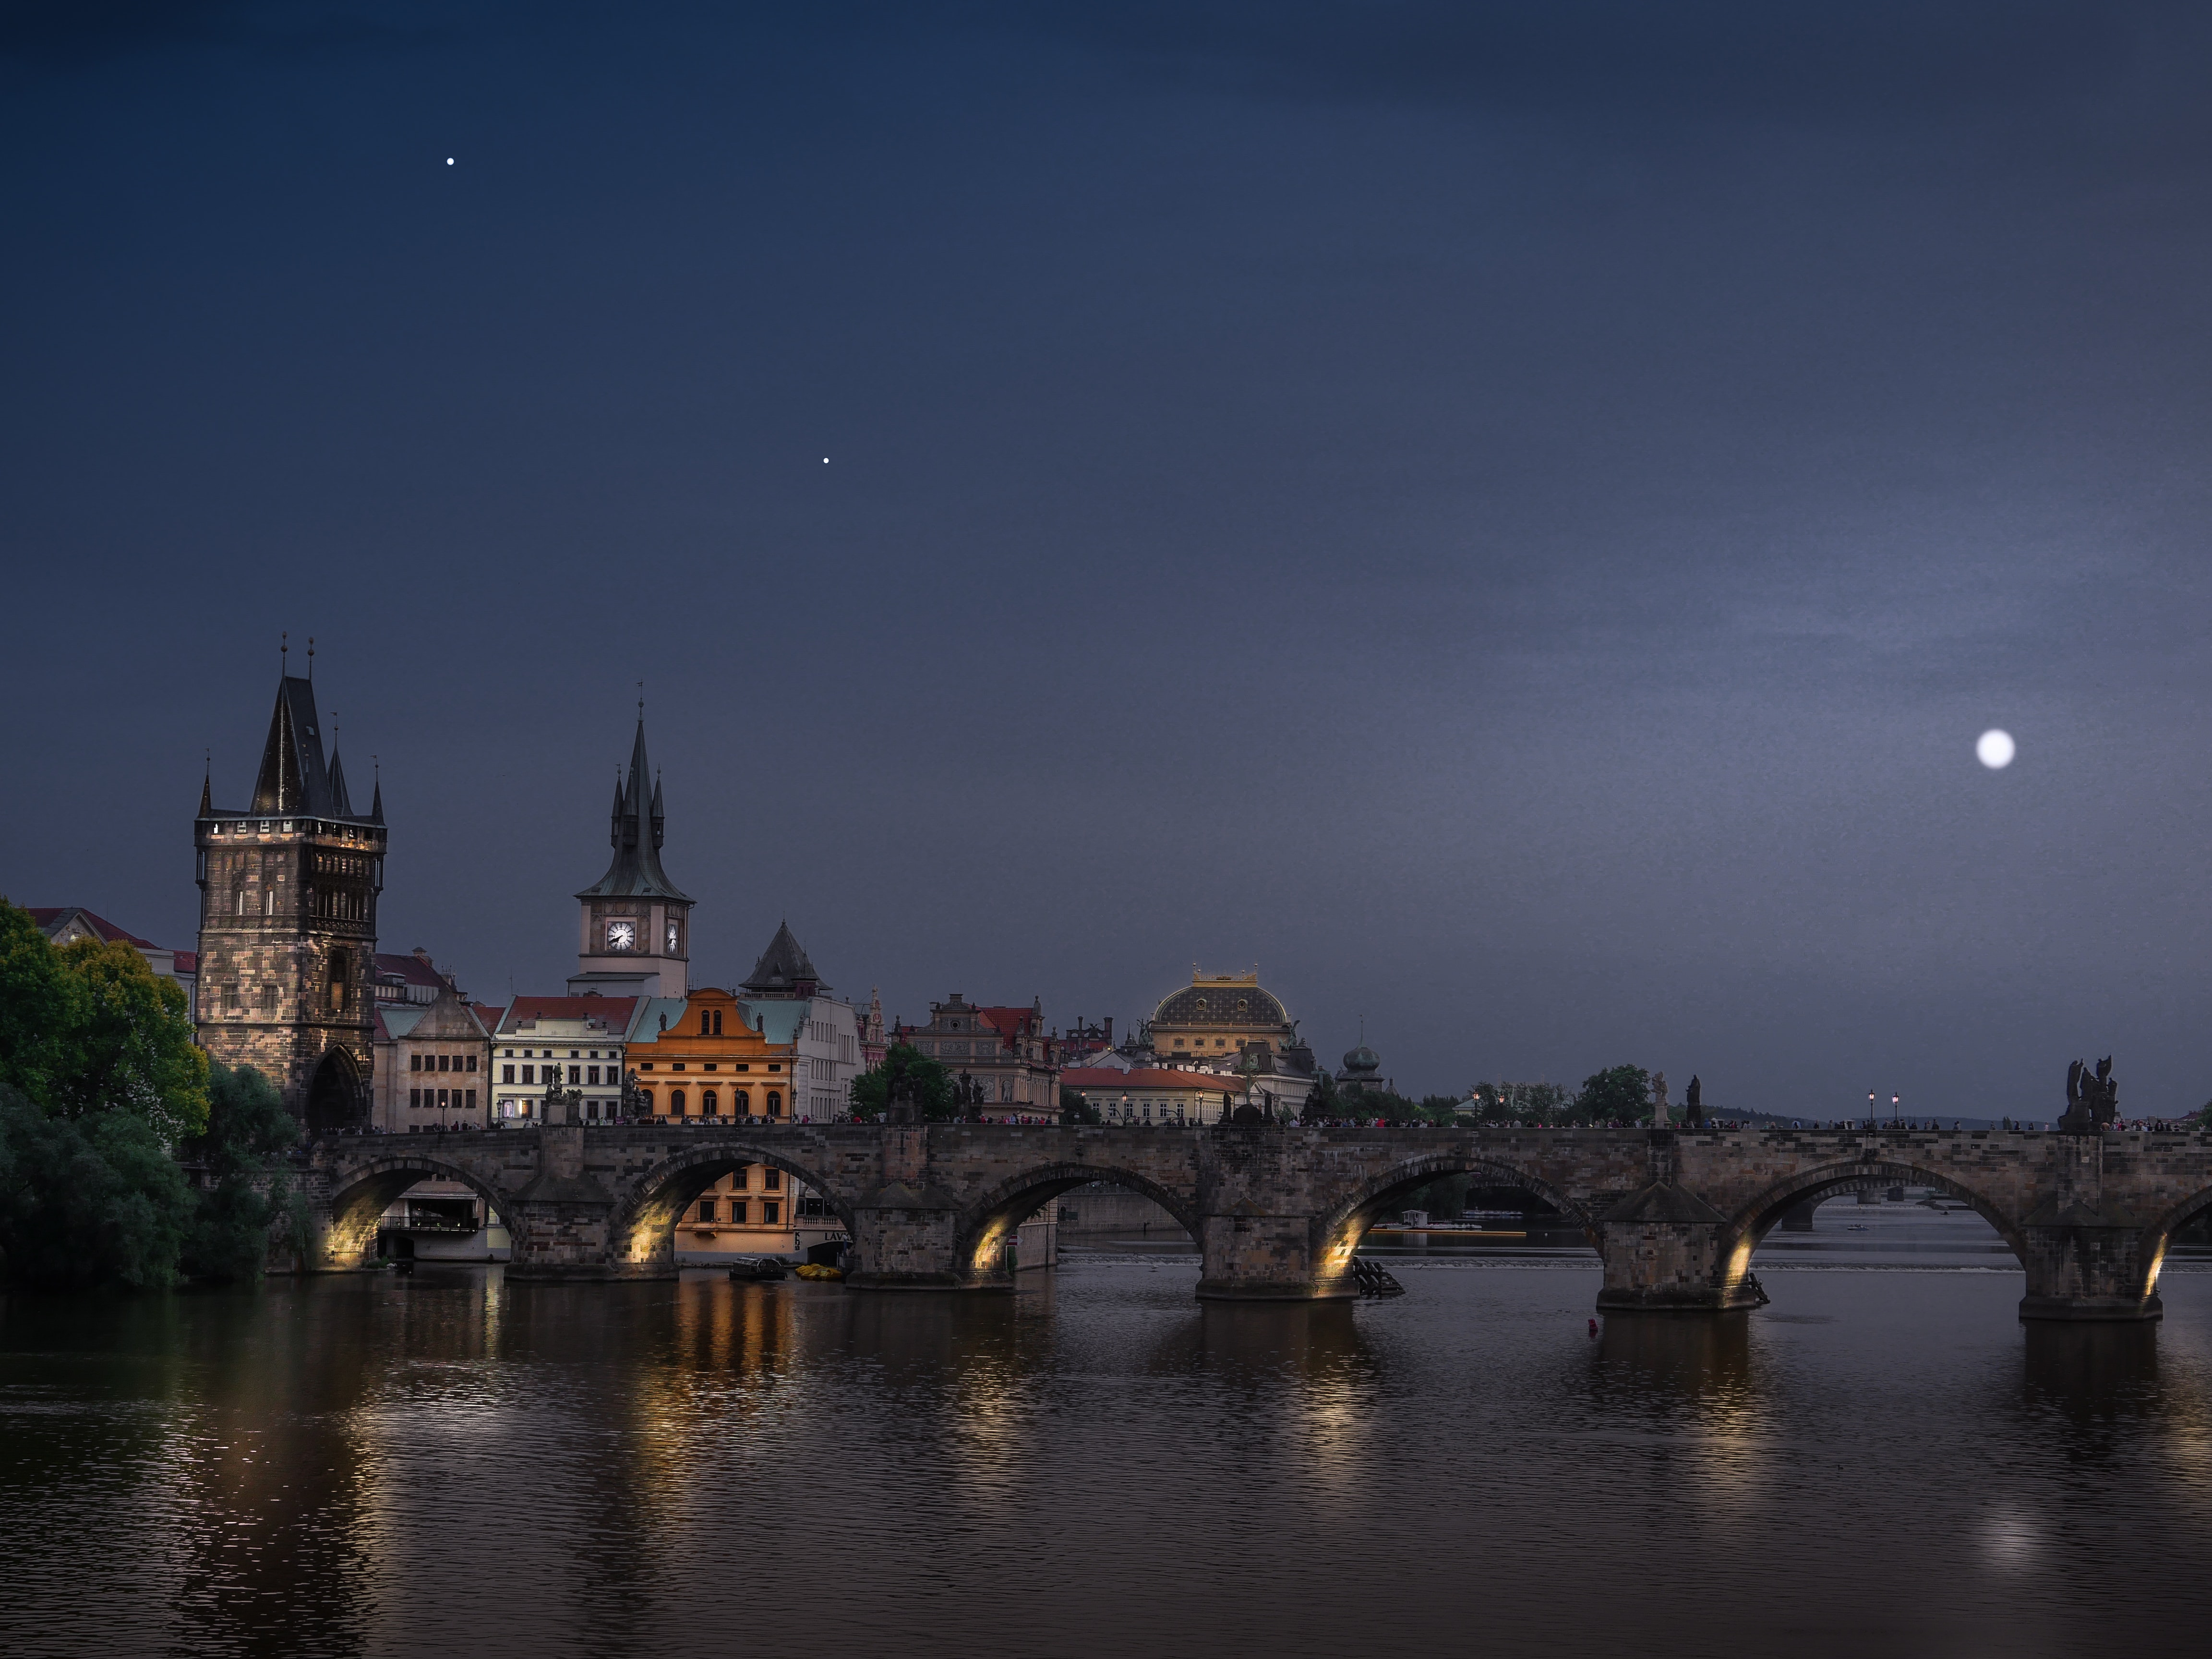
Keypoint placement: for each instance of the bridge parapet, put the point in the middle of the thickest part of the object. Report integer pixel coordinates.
(1279, 1212)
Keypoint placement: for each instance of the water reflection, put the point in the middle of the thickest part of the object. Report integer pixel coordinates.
(2092, 1372)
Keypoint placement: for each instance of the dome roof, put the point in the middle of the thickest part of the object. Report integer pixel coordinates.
(1238, 1003)
(1363, 1060)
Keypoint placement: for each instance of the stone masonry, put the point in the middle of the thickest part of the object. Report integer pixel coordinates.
(1674, 1215)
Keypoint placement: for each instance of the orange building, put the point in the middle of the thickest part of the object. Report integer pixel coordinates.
(709, 1062)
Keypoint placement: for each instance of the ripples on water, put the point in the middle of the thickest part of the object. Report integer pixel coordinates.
(1881, 1462)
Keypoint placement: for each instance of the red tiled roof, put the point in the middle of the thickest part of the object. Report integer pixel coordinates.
(48, 915)
(188, 962)
(412, 969)
(487, 1015)
(1147, 1077)
(1011, 1023)
(615, 1011)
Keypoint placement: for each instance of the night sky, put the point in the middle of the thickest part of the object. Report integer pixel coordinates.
(1511, 518)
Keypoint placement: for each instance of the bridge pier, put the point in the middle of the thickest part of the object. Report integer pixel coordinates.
(2084, 1260)
(1252, 1257)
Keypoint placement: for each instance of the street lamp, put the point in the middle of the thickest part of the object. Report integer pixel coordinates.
(1894, 1116)
(1869, 1122)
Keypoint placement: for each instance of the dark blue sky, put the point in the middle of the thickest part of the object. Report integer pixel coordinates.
(1511, 518)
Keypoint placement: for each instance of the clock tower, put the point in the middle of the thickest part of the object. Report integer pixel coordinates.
(636, 939)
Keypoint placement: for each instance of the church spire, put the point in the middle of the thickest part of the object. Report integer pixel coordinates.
(636, 835)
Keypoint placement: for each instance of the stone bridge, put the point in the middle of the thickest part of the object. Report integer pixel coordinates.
(1278, 1213)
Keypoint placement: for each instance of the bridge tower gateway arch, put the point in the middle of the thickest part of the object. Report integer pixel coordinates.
(1674, 1214)
(288, 889)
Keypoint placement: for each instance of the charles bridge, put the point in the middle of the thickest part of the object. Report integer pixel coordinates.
(1278, 1213)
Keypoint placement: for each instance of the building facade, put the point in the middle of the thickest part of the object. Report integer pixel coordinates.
(575, 1042)
(1004, 1049)
(705, 1057)
(636, 924)
(787, 1001)
(433, 1065)
(1156, 1097)
(288, 889)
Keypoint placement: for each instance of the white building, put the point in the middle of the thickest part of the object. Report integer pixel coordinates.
(787, 1002)
(578, 1042)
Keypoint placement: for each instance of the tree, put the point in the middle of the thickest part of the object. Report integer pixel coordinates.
(1074, 1108)
(87, 1201)
(1441, 1108)
(1620, 1094)
(41, 1009)
(130, 1047)
(1326, 1102)
(935, 1092)
(241, 1201)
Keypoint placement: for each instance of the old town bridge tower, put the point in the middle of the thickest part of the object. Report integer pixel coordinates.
(288, 922)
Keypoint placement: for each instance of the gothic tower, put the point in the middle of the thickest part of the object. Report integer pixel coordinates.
(288, 922)
(636, 939)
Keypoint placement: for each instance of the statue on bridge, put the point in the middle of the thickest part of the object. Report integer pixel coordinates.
(2093, 1098)
(1694, 1103)
(1659, 1100)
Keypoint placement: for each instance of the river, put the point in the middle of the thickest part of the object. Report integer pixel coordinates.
(1883, 1462)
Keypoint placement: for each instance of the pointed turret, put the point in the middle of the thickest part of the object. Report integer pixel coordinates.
(783, 969)
(376, 805)
(206, 796)
(659, 817)
(635, 872)
(293, 778)
(341, 803)
(615, 818)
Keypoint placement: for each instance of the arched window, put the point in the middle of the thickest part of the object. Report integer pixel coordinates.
(774, 1103)
(675, 1103)
(718, 1022)
(741, 1103)
(706, 1023)
(708, 1104)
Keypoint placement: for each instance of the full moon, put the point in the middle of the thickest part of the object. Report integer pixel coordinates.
(1994, 749)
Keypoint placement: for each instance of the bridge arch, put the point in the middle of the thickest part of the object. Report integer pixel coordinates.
(643, 1225)
(982, 1227)
(2160, 1233)
(364, 1191)
(1754, 1219)
(1338, 1231)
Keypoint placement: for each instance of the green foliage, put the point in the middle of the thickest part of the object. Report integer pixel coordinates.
(247, 1128)
(934, 1090)
(1517, 1102)
(40, 1008)
(88, 1201)
(132, 1048)
(1073, 1108)
(1440, 1108)
(1620, 1094)
(1325, 1102)
(1368, 1104)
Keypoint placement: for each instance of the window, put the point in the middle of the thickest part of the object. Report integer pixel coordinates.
(414, 1098)
(718, 1022)
(472, 1062)
(741, 1103)
(706, 1209)
(510, 1054)
(442, 1100)
(414, 1062)
(675, 1103)
(706, 1023)
(507, 1073)
(741, 1177)
(445, 1062)
(769, 1213)
(575, 1075)
(710, 1103)
(737, 1213)
(592, 1073)
(775, 1068)
(471, 1104)
(771, 1179)
(529, 1074)
(774, 1103)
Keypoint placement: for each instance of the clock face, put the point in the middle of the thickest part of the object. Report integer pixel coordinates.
(621, 935)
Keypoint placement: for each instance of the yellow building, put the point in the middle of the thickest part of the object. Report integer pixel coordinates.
(1219, 1014)
(709, 1062)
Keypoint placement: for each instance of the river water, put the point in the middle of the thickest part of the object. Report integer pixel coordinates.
(1883, 1462)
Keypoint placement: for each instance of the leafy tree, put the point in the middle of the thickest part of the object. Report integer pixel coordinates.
(1620, 1094)
(935, 1091)
(1441, 1108)
(41, 1009)
(239, 1200)
(1073, 1108)
(1326, 1102)
(1518, 1103)
(133, 1048)
(87, 1201)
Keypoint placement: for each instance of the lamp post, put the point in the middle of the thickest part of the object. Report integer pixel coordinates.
(1893, 1110)
(1869, 1122)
